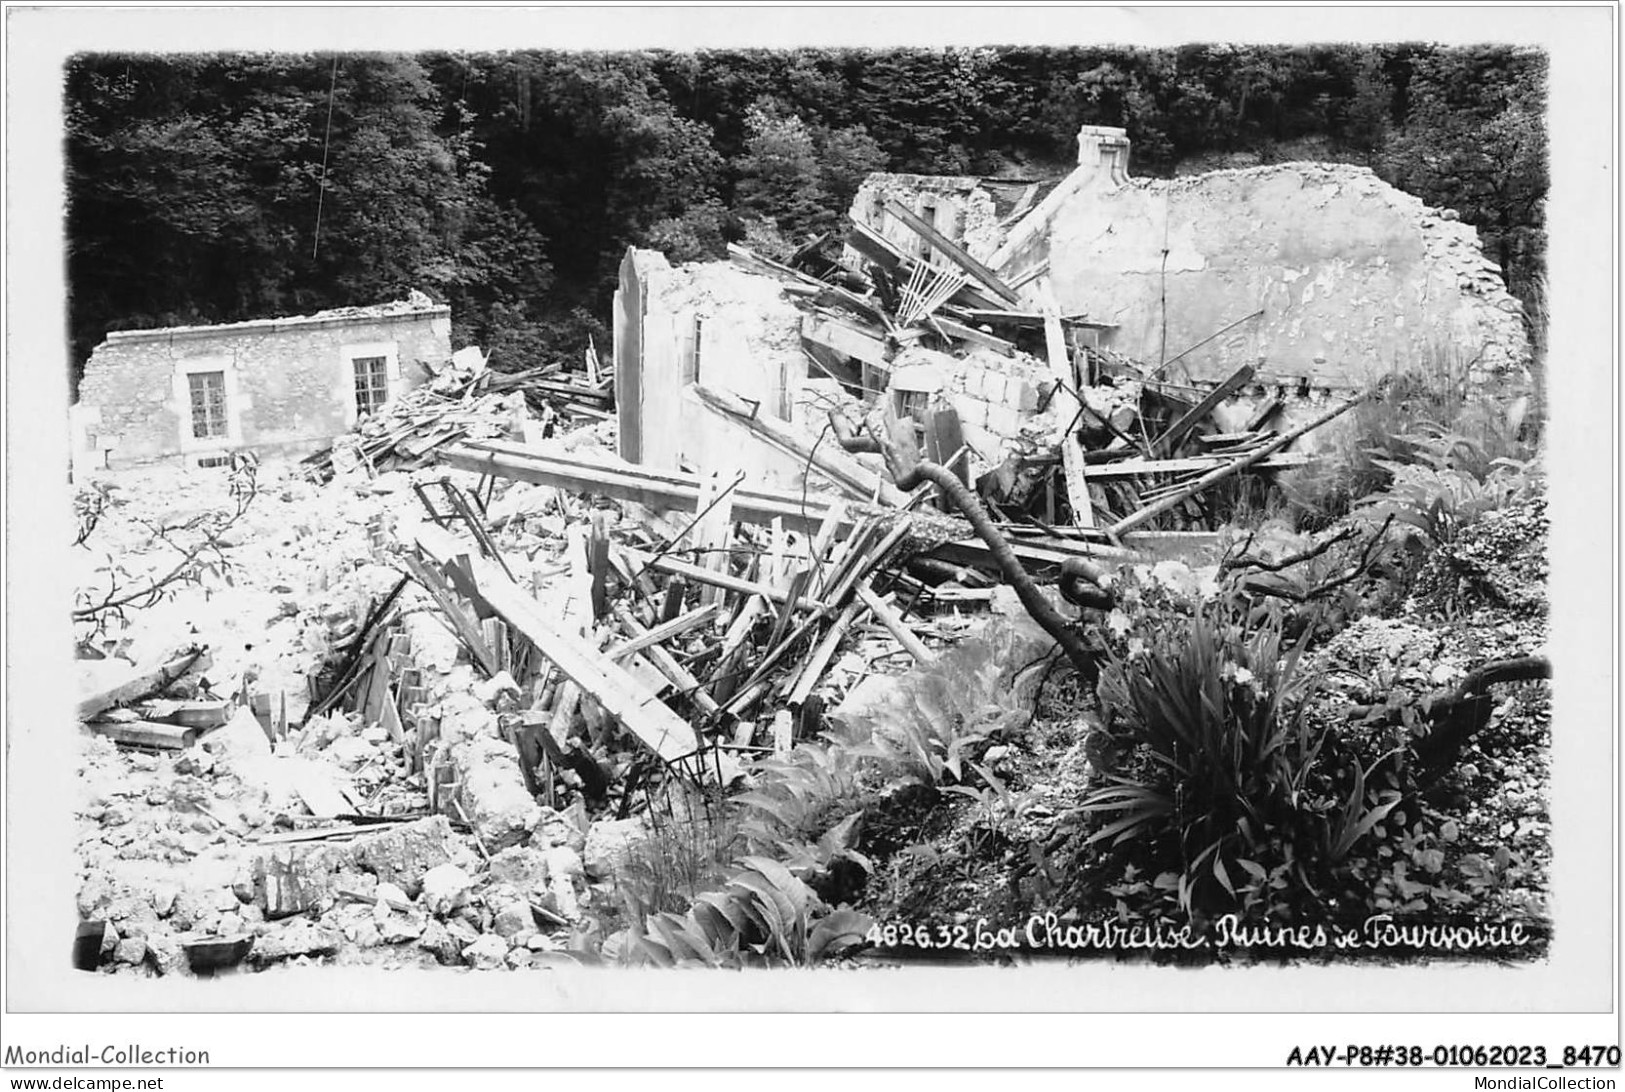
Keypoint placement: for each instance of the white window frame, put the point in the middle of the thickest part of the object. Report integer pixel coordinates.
(235, 404)
(349, 354)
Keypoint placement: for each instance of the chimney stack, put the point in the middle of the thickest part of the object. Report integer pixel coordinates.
(1104, 148)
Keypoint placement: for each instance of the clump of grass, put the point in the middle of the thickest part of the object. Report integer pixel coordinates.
(691, 845)
(1411, 406)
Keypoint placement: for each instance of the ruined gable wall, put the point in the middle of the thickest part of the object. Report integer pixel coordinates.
(1354, 276)
(965, 212)
(290, 385)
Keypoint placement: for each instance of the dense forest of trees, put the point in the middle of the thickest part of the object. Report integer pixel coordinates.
(213, 188)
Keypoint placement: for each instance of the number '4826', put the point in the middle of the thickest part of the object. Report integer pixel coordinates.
(1591, 1055)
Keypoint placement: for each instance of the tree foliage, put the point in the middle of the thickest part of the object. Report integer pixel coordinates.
(510, 184)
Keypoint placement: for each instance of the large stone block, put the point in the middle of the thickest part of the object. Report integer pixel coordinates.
(402, 855)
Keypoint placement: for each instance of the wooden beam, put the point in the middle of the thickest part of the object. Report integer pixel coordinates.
(666, 663)
(970, 333)
(1263, 413)
(665, 631)
(1150, 511)
(837, 466)
(845, 339)
(953, 251)
(1072, 462)
(995, 317)
(894, 624)
(1135, 467)
(624, 481)
(1169, 440)
(720, 580)
(440, 591)
(144, 681)
(606, 682)
(146, 733)
(812, 669)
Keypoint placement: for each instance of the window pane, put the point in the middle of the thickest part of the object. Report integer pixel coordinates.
(208, 390)
(371, 383)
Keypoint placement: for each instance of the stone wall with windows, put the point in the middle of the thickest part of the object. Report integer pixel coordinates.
(273, 386)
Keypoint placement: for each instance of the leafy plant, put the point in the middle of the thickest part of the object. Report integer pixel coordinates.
(1233, 797)
(1450, 482)
(761, 914)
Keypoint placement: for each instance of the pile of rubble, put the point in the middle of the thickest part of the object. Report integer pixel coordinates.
(425, 720)
(467, 400)
(1047, 424)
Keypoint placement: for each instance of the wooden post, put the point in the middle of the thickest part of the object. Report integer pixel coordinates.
(1060, 366)
(894, 624)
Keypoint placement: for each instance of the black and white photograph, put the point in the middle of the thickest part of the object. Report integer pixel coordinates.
(764, 519)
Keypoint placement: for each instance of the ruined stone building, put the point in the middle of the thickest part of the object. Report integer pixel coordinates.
(1353, 277)
(1321, 278)
(194, 394)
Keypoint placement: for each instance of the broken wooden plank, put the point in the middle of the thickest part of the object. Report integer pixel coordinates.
(722, 580)
(322, 834)
(667, 664)
(1214, 440)
(145, 681)
(963, 332)
(1176, 432)
(860, 563)
(628, 482)
(997, 317)
(953, 251)
(812, 669)
(1150, 511)
(724, 677)
(622, 696)
(465, 628)
(1263, 413)
(1136, 467)
(666, 631)
(888, 617)
(712, 529)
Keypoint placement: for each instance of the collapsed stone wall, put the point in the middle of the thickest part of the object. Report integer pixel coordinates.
(1354, 277)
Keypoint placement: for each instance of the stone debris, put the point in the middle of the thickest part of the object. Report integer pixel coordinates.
(488, 953)
(446, 889)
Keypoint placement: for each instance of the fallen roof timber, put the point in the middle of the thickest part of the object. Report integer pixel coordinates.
(834, 464)
(846, 338)
(620, 694)
(1134, 468)
(628, 481)
(678, 491)
(953, 251)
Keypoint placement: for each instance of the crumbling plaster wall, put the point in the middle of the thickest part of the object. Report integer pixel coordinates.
(1353, 276)
(290, 383)
(964, 211)
(711, 323)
